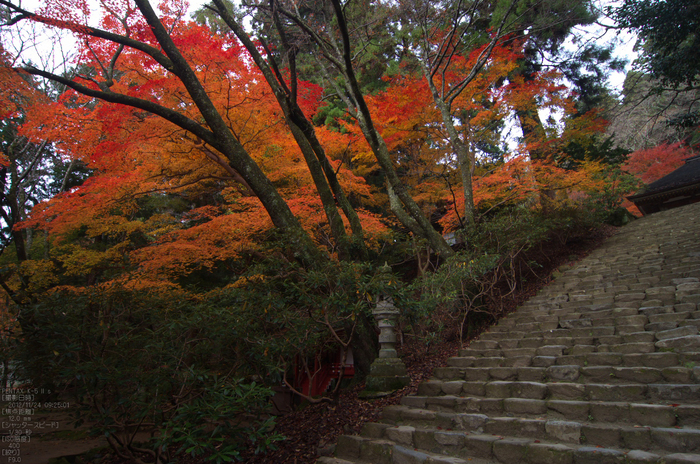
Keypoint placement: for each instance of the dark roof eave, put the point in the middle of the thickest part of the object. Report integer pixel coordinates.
(666, 193)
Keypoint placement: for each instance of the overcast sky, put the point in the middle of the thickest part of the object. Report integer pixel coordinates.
(53, 48)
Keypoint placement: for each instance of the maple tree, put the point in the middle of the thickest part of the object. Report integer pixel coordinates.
(140, 40)
(654, 163)
(320, 28)
(415, 133)
(215, 203)
(30, 170)
(135, 158)
(446, 35)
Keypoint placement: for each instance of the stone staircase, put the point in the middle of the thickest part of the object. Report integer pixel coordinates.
(603, 366)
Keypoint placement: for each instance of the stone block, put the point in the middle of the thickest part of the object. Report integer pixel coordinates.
(529, 390)
(654, 415)
(530, 374)
(567, 431)
(503, 373)
(638, 337)
(393, 413)
(430, 388)
(473, 389)
(687, 343)
(629, 296)
(508, 344)
(518, 361)
(374, 429)
(593, 455)
(551, 350)
(441, 403)
(638, 438)
(376, 451)
(565, 373)
(678, 440)
(695, 299)
(642, 457)
(348, 446)
(677, 332)
(567, 391)
(414, 401)
(688, 415)
(638, 374)
(472, 374)
(449, 373)
(469, 422)
(678, 374)
(524, 406)
(660, 326)
(599, 392)
(425, 439)
(497, 389)
(604, 359)
(674, 392)
(609, 411)
(543, 361)
(418, 415)
(598, 374)
(467, 405)
(652, 310)
(448, 439)
(461, 362)
(453, 387)
(510, 450)
(670, 317)
(573, 410)
(680, 458)
(401, 434)
(600, 435)
(489, 362)
(660, 360)
(479, 446)
(403, 455)
(501, 426)
(541, 453)
(491, 405)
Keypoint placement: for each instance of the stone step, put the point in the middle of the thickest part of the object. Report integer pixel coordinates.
(407, 444)
(421, 433)
(558, 337)
(592, 374)
(332, 460)
(602, 366)
(545, 349)
(657, 360)
(633, 392)
(554, 330)
(367, 450)
(644, 414)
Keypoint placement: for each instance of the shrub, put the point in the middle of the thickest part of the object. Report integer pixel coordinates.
(134, 361)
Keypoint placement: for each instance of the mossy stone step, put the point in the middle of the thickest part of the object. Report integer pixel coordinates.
(612, 435)
(642, 414)
(635, 392)
(415, 445)
(573, 373)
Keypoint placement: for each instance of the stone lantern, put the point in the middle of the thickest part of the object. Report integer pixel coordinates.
(388, 372)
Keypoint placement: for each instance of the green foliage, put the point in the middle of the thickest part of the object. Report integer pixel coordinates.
(669, 33)
(596, 150)
(292, 314)
(495, 261)
(140, 362)
(605, 205)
